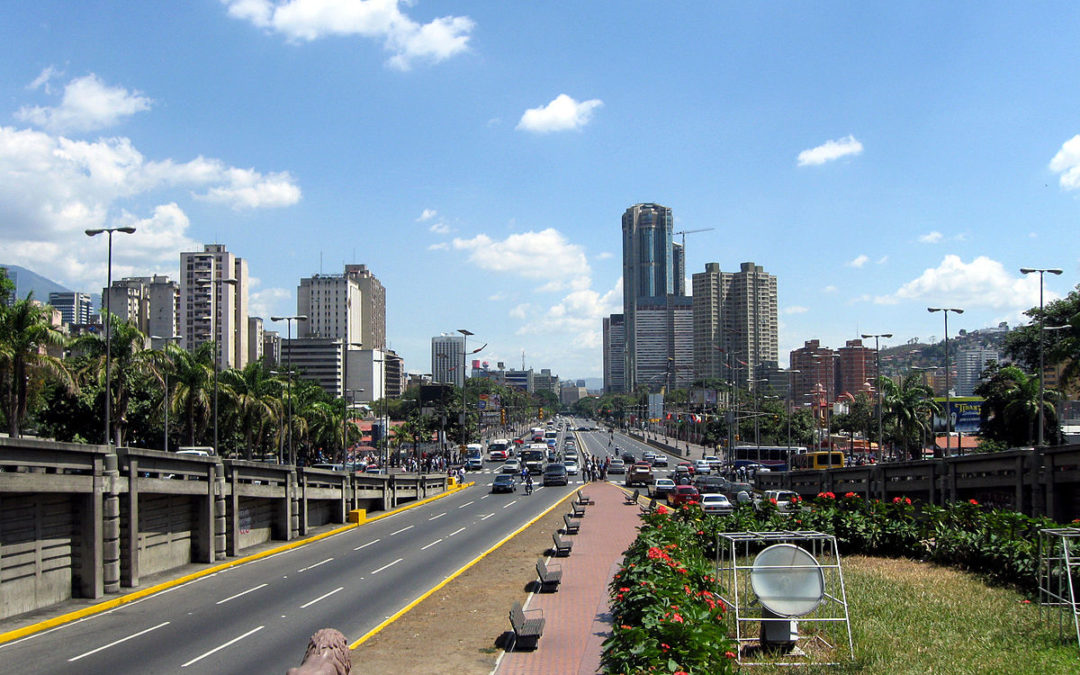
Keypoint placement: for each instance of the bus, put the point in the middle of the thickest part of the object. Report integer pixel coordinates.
(828, 459)
(772, 457)
(536, 435)
(500, 449)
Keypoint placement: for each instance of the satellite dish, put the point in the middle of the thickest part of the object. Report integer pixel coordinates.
(788, 580)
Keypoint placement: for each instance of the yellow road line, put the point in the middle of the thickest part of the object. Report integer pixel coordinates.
(404, 610)
(157, 588)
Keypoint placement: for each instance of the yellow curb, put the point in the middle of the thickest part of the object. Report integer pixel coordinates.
(157, 588)
(404, 610)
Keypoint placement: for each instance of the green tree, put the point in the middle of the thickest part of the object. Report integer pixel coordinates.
(908, 407)
(1010, 412)
(192, 396)
(254, 397)
(1060, 347)
(26, 333)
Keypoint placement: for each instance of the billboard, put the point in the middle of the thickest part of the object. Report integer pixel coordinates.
(966, 412)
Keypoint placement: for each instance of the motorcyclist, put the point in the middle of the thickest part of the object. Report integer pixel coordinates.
(528, 484)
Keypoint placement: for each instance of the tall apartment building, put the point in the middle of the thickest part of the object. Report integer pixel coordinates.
(256, 338)
(614, 346)
(373, 306)
(664, 338)
(74, 307)
(151, 303)
(214, 303)
(817, 372)
(857, 369)
(735, 321)
(649, 278)
(447, 360)
(271, 347)
(969, 366)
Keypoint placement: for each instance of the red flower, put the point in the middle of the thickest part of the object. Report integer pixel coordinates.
(619, 596)
(662, 510)
(680, 672)
(826, 495)
(625, 627)
(729, 655)
(676, 618)
(1025, 602)
(665, 646)
(772, 500)
(973, 502)
(851, 495)
(623, 589)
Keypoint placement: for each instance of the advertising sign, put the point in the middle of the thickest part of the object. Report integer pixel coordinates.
(966, 412)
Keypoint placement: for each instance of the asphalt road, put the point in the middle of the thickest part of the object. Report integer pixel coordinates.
(257, 617)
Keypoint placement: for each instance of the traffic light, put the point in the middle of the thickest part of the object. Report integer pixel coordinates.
(502, 416)
(541, 413)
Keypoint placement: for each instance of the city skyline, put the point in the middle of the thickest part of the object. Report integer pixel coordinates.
(877, 160)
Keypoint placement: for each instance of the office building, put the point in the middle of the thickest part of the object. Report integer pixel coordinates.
(448, 360)
(256, 338)
(214, 303)
(970, 363)
(614, 347)
(316, 358)
(664, 339)
(74, 307)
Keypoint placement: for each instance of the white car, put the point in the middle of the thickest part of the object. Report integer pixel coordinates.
(659, 459)
(716, 503)
(702, 467)
(617, 466)
(714, 461)
(571, 467)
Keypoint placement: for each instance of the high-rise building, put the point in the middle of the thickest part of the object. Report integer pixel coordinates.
(271, 347)
(614, 354)
(817, 373)
(256, 338)
(649, 277)
(373, 306)
(447, 359)
(74, 307)
(151, 303)
(856, 374)
(969, 366)
(213, 303)
(664, 335)
(735, 322)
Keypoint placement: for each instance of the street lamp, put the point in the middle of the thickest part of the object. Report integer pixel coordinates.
(948, 411)
(877, 352)
(922, 428)
(386, 415)
(108, 332)
(464, 374)
(345, 397)
(217, 349)
(166, 349)
(1042, 321)
(288, 367)
(790, 371)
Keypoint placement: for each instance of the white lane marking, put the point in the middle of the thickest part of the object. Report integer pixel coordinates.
(456, 531)
(485, 496)
(466, 504)
(220, 647)
(311, 567)
(365, 545)
(321, 597)
(438, 516)
(233, 597)
(113, 644)
(487, 516)
(510, 504)
(389, 565)
(402, 530)
(424, 548)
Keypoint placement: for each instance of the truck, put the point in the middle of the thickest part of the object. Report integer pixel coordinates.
(532, 458)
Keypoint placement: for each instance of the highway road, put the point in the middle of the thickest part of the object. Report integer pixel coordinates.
(257, 617)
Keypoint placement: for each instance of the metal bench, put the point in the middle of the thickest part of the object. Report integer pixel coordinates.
(562, 546)
(578, 510)
(651, 507)
(632, 497)
(584, 499)
(550, 576)
(572, 526)
(527, 631)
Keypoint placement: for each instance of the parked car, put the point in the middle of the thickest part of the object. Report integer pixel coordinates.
(661, 488)
(617, 466)
(504, 482)
(716, 503)
(683, 494)
(555, 474)
(640, 474)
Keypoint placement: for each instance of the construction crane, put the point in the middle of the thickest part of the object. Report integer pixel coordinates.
(686, 232)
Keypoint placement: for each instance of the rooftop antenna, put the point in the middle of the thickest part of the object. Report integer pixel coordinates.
(522, 360)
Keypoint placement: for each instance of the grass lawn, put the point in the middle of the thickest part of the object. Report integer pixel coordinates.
(910, 617)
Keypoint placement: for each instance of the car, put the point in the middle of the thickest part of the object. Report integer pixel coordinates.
(689, 466)
(716, 503)
(683, 494)
(571, 455)
(617, 466)
(504, 482)
(571, 466)
(702, 467)
(639, 474)
(715, 462)
(328, 467)
(474, 464)
(659, 459)
(661, 488)
(511, 466)
(555, 474)
(497, 456)
(786, 501)
(629, 458)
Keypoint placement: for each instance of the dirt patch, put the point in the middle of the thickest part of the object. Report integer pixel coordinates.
(456, 629)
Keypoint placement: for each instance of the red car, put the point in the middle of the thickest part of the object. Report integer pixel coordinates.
(684, 494)
(689, 467)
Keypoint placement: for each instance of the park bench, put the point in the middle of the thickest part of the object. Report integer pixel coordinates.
(562, 546)
(584, 499)
(572, 526)
(550, 577)
(651, 507)
(527, 631)
(632, 497)
(578, 510)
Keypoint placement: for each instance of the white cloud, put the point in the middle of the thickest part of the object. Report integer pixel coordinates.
(982, 283)
(55, 187)
(543, 255)
(439, 228)
(1067, 163)
(562, 114)
(407, 40)
(267, 302)
(829, 289)
(858, 262)
(605, 255)
(42, 80)
(441, 246)
(795, 309)
(427, 214)
(930, 237)
(883, 259)
(830, 150)
(579, 315)
(88, 104)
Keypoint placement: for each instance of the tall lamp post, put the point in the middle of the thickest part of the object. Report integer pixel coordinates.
(464, 376)
(790, 387)
(108, 332)
(877, 353)
(1042, 320)
(345, 397)
(216, 283)
(288, 367)
(948, 411)
(165, 348)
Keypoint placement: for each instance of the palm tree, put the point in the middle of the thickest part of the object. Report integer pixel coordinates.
(252, 393)
(25, 334)
(1011, 407)
(193, 395)
(907, 407)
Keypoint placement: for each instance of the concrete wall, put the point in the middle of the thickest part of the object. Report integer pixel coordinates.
(37, 541)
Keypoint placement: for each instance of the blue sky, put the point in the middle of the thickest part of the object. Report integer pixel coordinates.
(478, 156)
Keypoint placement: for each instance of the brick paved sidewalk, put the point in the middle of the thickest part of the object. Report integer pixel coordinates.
(577, 617)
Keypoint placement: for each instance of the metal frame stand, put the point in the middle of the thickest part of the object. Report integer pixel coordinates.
(1059, 565)
(734, 560)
